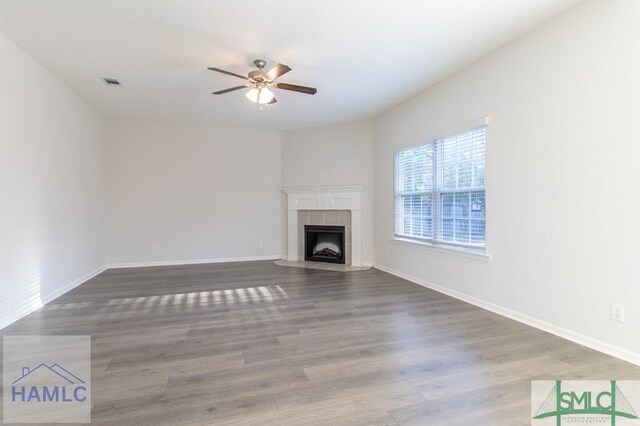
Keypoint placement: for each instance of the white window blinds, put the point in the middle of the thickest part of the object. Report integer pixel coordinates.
(439, 190)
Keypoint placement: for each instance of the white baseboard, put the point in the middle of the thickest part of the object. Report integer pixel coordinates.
(50, 297)
(192, 262)
(565, 333)
(47, 298)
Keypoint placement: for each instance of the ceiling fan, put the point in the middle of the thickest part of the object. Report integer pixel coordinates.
(262, 83)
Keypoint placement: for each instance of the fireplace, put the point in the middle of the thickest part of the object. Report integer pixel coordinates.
(323, 243)
(317, 206)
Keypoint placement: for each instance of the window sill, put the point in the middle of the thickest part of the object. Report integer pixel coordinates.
(458, 251)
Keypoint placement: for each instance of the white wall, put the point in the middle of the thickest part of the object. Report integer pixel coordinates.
(563, 195)
(181, 193)
(51, 186)
(334, 155)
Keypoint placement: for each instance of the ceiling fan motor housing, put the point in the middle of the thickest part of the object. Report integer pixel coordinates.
(257, 75)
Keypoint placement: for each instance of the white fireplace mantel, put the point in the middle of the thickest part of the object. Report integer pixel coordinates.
(325, 198)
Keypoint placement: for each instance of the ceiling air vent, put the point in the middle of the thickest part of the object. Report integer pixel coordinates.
(111, 82)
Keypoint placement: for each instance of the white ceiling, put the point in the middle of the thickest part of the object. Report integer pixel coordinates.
(362, 55)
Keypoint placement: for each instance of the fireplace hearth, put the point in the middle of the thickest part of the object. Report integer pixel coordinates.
(324, 243)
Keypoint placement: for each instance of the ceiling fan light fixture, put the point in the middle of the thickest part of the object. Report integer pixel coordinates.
(260, 96)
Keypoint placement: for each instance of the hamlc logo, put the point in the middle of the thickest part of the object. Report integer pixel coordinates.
(48, 383)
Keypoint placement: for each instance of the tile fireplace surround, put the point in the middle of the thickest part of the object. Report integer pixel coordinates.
(325, 204)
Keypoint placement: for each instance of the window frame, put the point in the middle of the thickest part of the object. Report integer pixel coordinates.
(437, 193)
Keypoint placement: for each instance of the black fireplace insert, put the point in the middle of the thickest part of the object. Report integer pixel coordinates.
(324, 243)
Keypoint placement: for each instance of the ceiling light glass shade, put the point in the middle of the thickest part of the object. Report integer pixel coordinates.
(261, 96)
(266, 96)
(252, 95)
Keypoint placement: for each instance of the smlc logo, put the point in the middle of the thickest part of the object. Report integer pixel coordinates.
(585, 402)
(61, 385)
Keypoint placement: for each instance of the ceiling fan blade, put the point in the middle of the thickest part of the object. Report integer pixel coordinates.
(228, 73)
(273, 101)
(231, 89)
(296, 88)
(277, 71)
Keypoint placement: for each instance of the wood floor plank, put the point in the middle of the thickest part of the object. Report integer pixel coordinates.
(252, 343)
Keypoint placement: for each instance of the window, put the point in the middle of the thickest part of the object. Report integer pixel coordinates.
(439, 190)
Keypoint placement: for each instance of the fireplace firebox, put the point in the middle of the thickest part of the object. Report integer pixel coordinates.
(324, 243)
